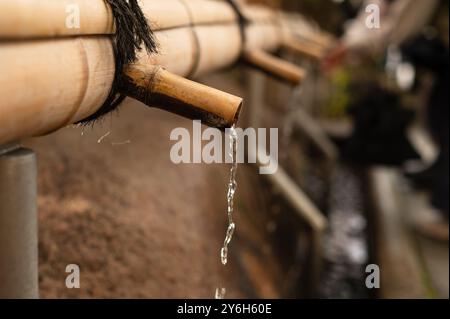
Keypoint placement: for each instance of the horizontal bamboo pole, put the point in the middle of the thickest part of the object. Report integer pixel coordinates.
(215, 47)
(48, 84)
(47, 18)
(45, 85)
(59, 81)
(275, 66)
(24, 19)
(258, 13)
(160, 88)
(219, 47)
(263, 36)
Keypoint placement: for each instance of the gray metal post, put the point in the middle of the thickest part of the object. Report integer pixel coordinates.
(18, 223)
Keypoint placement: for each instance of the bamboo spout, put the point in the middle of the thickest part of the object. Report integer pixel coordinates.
(156, 87)
(274, 66)
(309, 50)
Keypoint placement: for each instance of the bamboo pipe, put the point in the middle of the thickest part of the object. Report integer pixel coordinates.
(18, 18)
(220, 52)
(308, 50)
(263, 36)
(79, 72)
(277, 67)
(78, 76)
(157, 87)
(258, 13)
(215, 46)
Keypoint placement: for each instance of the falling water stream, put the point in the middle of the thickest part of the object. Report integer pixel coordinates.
(230, 196)
(232, 185)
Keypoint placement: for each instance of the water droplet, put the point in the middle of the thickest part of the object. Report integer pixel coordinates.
(224, 255)
(103, 137)
(220, 293)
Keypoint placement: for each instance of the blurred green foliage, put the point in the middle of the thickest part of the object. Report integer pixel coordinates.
(340, 95)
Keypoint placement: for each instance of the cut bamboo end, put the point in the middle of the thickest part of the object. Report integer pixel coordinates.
(310, 50)
(157, 87)
(275, 66)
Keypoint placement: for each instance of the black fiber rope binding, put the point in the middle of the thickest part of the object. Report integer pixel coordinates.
(243, 21)
(132, 30)
(197, 53)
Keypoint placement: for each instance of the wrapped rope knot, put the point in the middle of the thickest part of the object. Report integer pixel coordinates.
(243, 21)
(197, 53)
(132, 31)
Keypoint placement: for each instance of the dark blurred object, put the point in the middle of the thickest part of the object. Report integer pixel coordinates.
(431, 53)
(326, 13)
(350, 8)
(379, 135)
